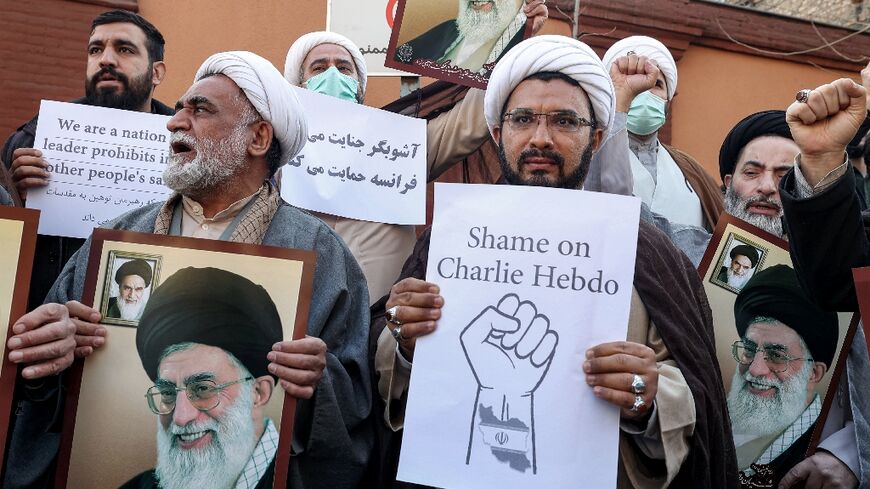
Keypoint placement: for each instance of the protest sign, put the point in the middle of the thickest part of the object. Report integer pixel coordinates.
(358, 162)
(17, 248)
(102, 163)
(777, 401)
(498, 396)
(121, 413)
(367, 23)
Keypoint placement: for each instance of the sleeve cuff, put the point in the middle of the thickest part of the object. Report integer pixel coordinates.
(805, 190)
(401, 362)
(648, 428)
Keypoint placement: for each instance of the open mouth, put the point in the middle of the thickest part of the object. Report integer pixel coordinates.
(188, 441)
(761, 389)
(179, 147)
(481, 6)
(765, 208)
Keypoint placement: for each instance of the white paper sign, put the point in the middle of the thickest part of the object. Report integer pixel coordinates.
(358, 162)
(102, 163)
(531, 278)
(368, 23)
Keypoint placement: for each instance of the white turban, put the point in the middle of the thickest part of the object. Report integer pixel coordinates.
(652, 49)
(268, 92)
(558, 54)
(300, 49)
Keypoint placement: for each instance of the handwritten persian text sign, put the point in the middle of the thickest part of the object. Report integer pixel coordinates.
(102, 163)
(368, 23)
(358, 162)
(531, 277)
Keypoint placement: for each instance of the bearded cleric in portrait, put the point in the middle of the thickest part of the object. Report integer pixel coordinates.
(134, 284)
(203, 341)
(786, 346)
(480, 33)
(744, 259)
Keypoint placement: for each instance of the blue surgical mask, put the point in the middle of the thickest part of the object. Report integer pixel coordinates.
(335, 84)
(646, 114)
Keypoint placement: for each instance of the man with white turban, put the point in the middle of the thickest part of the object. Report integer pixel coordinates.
(234, 127)
(331, 64)
(671, 183)
(664, 377)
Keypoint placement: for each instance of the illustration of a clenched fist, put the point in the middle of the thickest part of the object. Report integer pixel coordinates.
(509, 346)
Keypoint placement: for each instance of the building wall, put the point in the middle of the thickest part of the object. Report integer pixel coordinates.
(716, 89)
(43, 54)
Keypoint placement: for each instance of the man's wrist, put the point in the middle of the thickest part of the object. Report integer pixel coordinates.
(815, 167)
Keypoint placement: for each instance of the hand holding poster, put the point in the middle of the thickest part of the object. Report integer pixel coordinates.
(457, 45)
(358, 162)
(102, 163)
(498, 394)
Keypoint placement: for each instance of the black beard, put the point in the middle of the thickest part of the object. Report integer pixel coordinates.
(132, 97)
(573, 180)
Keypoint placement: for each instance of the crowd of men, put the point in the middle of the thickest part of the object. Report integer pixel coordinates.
(557, 113)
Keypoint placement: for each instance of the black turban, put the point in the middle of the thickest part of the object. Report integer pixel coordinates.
(765, 123)
(211, 307)
(134, 267)
(747, 251)
(774, 292)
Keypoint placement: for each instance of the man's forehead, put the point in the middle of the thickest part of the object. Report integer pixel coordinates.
(191, 361)
(550, 95)
(772, 332)
(769, 150)
(215, 89)
(116, 31)
(328, 51)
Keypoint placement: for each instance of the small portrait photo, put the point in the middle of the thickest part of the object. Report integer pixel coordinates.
(457, 42)
(739, 261)
(129, 280)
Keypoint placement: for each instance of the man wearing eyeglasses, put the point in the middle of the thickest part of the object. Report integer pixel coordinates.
(785, 349)
(205, 348)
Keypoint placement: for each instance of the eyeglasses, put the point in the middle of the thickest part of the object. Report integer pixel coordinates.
(203, 395)
(777, 360)
(560, 120)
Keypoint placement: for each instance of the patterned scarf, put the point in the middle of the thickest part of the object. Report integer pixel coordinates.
(252, 226)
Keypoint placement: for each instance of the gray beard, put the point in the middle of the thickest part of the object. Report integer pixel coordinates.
(737, 281)
(479, 27)
(764, 416)
(737, 207)
(215, 163)
(132, 312)
(218, 465)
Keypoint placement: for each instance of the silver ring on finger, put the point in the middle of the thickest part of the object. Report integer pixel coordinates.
(639, 404)
(803, 95)
(638, 386)
(397, 333)
(392, 315)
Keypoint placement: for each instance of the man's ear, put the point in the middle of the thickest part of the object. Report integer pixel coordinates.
(158, 73)
(597, 139)
(496, 134)
(263, 388)
(259, 146)
(727, 181)
(819, 370)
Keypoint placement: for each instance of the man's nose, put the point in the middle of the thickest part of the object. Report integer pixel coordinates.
(178, 122)
(758, 367)
(541, 138)
(184, 412)
(108, 57)
(767, 185)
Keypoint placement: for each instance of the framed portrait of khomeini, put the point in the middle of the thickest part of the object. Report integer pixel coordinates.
(127, 286)
(185, 398)
(17, 246)
(781, 355)
(458, 42)
(737, 262)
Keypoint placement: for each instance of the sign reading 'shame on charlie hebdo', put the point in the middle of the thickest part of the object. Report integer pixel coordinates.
(102, 163)
(531, 278)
